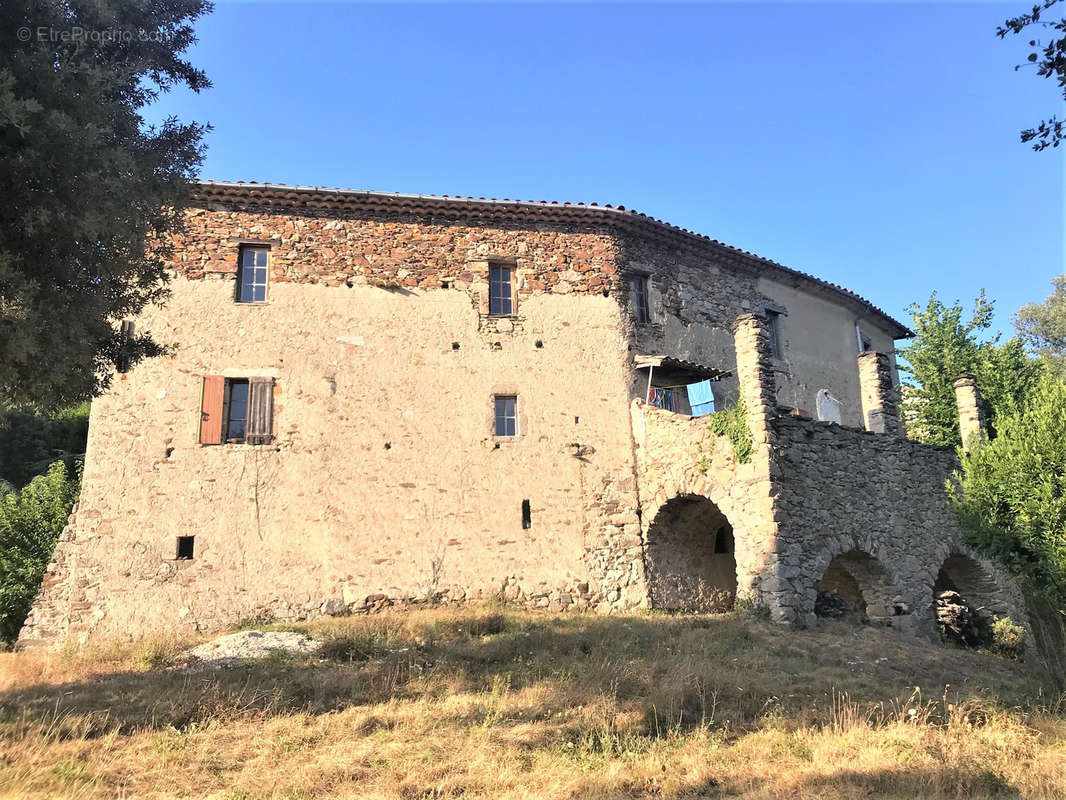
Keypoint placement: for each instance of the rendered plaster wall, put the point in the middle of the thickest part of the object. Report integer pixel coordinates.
(819, 347)
(385, 481)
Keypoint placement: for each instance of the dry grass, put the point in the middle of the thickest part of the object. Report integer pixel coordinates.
(493, 703)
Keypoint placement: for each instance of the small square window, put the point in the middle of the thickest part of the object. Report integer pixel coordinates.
(185, 548)
(506, 411)
(638, 290)
(252, 275)
(500, 302)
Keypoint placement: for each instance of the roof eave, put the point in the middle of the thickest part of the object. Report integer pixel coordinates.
(610, 214)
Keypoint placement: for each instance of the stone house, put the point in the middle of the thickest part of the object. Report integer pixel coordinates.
(372, 398)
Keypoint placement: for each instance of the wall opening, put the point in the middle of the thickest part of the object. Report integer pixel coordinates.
(185, 548)
(527, 516)
(691, 563)
(856, 586)
(966, 601)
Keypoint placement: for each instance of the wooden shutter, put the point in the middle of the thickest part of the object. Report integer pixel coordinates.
(211, 409)
(260, 411)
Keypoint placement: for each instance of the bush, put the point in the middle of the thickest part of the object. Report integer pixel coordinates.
(31, 520)
(1008, 639)
(733, 424)
(1011, 492)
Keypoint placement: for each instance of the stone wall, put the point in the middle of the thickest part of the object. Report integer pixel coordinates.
(681, 458)
(843, 491)
(385, 481)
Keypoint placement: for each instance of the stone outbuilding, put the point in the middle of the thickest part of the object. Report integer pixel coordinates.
(373, 398)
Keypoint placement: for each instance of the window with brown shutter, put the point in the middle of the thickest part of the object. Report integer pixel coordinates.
(237, 411)
(211, 409)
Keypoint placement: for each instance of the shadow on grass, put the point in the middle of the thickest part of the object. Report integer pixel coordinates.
(665, 672)
(885, 784)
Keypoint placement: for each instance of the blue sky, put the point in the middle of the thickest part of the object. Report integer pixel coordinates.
(874, 145)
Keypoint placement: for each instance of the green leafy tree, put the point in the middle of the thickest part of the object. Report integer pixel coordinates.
(1048, 57)
(945, 346)
(88, 190)
(1011, 490)
(30, 442)
(1043, 326)
(30, 523)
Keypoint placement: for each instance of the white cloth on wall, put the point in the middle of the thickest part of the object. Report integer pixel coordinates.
(828, 407)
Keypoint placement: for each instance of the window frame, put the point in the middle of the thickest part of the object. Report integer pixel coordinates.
(639, 288)
(496, 298)
(227, 408)
(863, 340)
(497, 417)
(241, 266)
(773, 325)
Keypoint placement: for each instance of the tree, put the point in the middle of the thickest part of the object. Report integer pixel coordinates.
(88, 188)
(30, 523)
(30, 442)
(1012, 489)
(1043, 326)
(1049, 58)
(946, 346)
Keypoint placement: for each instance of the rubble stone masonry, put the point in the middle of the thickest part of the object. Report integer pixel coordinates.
(385, 482)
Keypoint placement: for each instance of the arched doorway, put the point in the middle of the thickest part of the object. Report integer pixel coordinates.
(856, 585)
(691, 563)
(966, 601)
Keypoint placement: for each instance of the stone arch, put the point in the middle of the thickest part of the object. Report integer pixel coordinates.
(690, 556)
(855, 583)
(966, 599)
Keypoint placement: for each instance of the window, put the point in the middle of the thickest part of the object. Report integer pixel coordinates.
(185, 548)
(500, 304)
(773, 324)
(237, 410)
(864, 341)
(252, 275)
(638, 293)
(506, 415)
(527, 516)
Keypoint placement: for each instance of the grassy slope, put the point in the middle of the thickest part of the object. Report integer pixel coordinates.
(494, 703)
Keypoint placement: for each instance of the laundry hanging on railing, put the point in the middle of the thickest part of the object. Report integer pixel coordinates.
(700, 398)
(666, 399)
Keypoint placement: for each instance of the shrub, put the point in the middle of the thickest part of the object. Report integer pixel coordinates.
(733, 424)
(1011, 490)
(31, 520)
(1008, 639)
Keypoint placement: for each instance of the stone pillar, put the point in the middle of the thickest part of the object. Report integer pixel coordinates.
(880, 401)
(755, 373)
(761, 575)
(971, 420)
